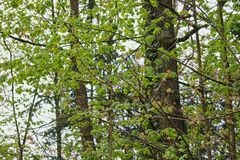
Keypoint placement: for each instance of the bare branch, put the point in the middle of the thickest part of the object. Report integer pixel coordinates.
(26, 41)
(189, 34)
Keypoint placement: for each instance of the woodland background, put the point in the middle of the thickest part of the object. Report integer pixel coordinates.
(119, 79)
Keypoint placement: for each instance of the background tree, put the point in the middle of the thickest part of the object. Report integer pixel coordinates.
(119, 79)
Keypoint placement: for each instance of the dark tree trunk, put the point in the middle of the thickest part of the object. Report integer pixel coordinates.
(81, 93)
(166, 91)
(58, 121)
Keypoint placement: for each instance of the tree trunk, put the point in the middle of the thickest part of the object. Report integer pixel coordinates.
(168, 89)
(58, 121)
(110, 127)
(231, 135)
(81, 93)
(58, 126)
(208, 149)
(167, 93)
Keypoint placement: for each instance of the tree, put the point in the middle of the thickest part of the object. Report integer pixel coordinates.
(167, 94)
(81, 90)
(119, 79)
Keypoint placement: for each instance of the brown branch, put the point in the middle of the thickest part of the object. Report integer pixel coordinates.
(26, 41)
(189, 34)
(222, 115)
(29, 118)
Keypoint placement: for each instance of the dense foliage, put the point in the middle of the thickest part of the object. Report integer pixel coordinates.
(119, 79)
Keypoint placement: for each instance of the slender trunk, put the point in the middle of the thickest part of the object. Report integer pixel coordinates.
(201, 81)
(20, 147)
(29, 120)
(81, 92)
(58, 121)
(110, 127)
(57, 105)
(110, 97)
(231, 135)
(58, 128)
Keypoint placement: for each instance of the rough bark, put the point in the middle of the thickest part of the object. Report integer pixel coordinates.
(167, 92)
(168, 89)
(81, 93)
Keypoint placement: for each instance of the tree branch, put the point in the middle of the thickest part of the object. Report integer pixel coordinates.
(26, 41)
(189, 34)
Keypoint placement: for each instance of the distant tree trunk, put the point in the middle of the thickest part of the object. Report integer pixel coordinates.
(81, 92)
(57, 104)
(58, 121)
(208, 149)
(110, 98)
(167, 93)
(110, 127)
(231, 135)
